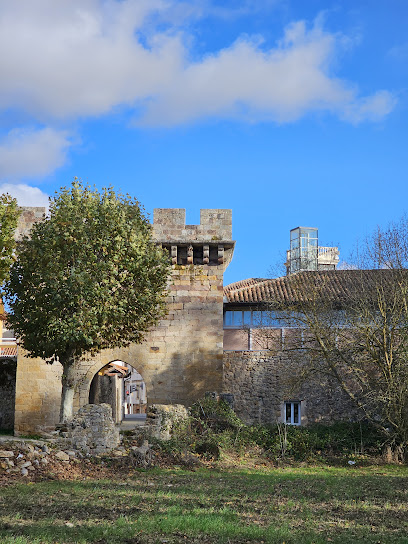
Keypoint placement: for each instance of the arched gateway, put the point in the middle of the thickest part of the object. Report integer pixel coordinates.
(181, 357)
(120, 385)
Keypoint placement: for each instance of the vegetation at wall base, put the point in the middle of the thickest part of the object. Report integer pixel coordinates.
(213, 430)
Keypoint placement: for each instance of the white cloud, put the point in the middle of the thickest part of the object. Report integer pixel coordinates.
(78, 58)
(371, 108)
(81, 57)
(25, 195)
(32, 153)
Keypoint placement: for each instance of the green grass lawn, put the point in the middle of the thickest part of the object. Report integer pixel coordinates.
(290, 505)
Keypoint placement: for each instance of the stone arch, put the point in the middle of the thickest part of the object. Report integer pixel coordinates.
(84, 391)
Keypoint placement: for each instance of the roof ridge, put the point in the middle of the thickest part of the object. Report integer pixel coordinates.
(241, 284)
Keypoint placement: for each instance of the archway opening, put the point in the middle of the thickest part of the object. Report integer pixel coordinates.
(120, 385)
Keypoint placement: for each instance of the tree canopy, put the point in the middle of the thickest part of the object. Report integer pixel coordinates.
(89, 277)
(9, 214)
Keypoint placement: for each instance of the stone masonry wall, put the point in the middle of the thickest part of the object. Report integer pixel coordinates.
(261, 382)
(28, 216)
(181, 358)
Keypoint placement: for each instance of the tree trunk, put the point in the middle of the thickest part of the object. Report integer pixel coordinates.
(68, 390)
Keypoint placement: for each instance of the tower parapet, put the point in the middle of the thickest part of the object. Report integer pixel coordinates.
(209, 243)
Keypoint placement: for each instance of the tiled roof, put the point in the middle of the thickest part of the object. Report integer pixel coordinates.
(333, 285)
(8, 351)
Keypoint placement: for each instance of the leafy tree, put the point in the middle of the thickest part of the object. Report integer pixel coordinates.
(9, 214)
(353, 326)
(89, 277)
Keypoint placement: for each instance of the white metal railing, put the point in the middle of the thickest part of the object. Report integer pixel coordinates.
(334, 251)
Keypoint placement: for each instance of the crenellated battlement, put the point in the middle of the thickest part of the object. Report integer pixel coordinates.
(169, 225)
(208, 243)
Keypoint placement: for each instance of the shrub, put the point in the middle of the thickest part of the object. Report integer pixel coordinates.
(213, 426)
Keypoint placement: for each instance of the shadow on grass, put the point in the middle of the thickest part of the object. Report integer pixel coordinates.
(290, 505)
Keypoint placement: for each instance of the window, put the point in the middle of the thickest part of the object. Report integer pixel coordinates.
(248, 318)
(292, 415)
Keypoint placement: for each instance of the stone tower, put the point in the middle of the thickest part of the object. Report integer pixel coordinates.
(182, 356)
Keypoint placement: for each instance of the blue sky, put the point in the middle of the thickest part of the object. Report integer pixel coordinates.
(290, 112)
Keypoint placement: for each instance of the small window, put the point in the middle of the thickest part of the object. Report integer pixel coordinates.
(292, 413)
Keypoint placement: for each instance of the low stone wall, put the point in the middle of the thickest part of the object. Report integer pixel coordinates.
(161, 418)
(92, 430)
(261, 382)
(7, 393)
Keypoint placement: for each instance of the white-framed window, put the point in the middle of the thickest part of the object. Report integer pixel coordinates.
(292, 412)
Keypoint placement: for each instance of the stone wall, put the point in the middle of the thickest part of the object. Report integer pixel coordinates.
(28, 216)
(181, 357)
(7, 393)
(38, 394)
(261, 381)
(92, 430)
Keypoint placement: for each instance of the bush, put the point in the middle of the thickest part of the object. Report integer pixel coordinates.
(213, 427)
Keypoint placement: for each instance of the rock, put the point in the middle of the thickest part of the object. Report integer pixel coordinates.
(44, 461)
(5, 454)
(24, 472)
(118, 453)
(25, 465)
(45, 434)
(142, 455)
(45, 448)
(71, 453)
(62, 456)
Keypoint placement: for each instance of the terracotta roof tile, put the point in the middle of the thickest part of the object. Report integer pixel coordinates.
(334, 285)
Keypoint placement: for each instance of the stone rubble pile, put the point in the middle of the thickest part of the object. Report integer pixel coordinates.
(22, 457)
(91, 433)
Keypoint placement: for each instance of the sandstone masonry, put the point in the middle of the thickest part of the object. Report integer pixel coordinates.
(182, 356)
(261, 381)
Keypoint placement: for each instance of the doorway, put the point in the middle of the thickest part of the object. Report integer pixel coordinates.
(121, 386)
